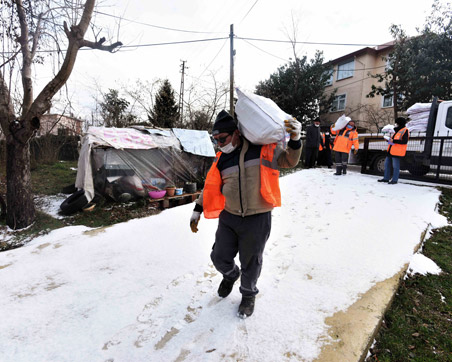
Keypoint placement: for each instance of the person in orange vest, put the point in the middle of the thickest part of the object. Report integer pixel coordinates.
(343, 142)
(242, 188)
(397, 145)
(325, 149)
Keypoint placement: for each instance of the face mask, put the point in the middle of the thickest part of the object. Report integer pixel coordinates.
(228, 148)
(317, 125)
(349, 127)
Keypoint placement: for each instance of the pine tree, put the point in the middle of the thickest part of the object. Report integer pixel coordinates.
(165, 113)
(297, 87)
(420, 67)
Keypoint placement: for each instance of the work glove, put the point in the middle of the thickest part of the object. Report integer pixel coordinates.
(293, 127)
(355, 151)
(387, 138)
(194, 219)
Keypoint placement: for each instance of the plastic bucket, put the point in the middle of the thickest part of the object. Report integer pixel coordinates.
(190, 187)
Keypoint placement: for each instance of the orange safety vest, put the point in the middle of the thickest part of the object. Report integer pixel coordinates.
(323, 139)
(397, 149)
(214, 200)
(344, 140)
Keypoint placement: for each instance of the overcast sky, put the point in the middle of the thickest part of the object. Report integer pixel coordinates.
(153, 22)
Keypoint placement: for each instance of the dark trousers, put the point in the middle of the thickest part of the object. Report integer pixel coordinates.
(324, 158)
(246, 236)
(311, 156)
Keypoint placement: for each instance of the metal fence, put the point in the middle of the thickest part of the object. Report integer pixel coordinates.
(427, 159)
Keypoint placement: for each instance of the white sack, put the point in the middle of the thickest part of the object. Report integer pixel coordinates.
(341, 122)
(419, 107)
(420, 115)
(261, 121)
(389, 128)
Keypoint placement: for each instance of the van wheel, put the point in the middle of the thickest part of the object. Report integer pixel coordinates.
(74, 203)
(379, 164)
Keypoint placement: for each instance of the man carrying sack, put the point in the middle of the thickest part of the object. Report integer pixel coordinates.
(242, 188)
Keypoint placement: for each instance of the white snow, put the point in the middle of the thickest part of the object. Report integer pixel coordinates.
(145, 290)
(420, 264)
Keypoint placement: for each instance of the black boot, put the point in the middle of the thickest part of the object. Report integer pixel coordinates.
(225, 287)
(246, 307)
(338, 170)
(344, 170)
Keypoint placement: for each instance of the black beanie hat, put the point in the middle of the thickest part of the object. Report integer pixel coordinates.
(401, 121)
(224, 123)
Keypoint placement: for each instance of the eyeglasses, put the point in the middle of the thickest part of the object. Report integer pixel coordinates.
(221, 139)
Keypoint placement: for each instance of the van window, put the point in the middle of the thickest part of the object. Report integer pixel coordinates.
(449, 118)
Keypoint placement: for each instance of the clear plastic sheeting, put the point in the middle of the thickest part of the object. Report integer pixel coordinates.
(111, 164)
(195, 142)
(131, 174)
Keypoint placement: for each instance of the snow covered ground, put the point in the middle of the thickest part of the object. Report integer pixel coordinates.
(145, 290)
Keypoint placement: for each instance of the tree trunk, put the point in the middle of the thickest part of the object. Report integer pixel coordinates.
(19, 197)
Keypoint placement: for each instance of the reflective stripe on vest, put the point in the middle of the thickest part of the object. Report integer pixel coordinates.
(398, 149)
(343, 142)
(214, 200)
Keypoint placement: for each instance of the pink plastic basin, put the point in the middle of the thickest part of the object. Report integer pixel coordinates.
(157, 194)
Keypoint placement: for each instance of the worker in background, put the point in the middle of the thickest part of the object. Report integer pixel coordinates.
(345, 139)
(312, 143)
(397, 145)
(242, 188)
(324, 158)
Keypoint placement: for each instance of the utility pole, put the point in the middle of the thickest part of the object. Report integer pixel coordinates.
(181, 93)
(231, 77)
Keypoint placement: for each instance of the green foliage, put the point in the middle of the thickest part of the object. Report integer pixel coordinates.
(114, 110)
(297, 87)
(420, 67)
(165, 112)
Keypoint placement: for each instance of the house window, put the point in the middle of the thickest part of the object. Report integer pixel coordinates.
(388, 65)
(388, 101)
(345, 70)
(329, 80)
(338, 103)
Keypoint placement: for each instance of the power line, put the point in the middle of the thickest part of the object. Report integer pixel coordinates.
(215, 57)
(251, 8)
(157, 26)
(264, 50)
(305, 42)
(172, 43)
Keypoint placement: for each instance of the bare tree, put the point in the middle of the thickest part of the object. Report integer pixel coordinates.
(369, 116)
(204, 102)
(27, 28)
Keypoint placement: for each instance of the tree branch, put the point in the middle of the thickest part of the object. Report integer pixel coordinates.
(99, 45)
(27, 83)
(76, 40)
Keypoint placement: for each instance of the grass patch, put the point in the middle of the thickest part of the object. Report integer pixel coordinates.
(43, 225)
(109, 213)
(49, 179)
(418, 325)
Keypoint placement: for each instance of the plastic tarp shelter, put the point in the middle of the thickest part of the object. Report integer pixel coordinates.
(125, 163)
